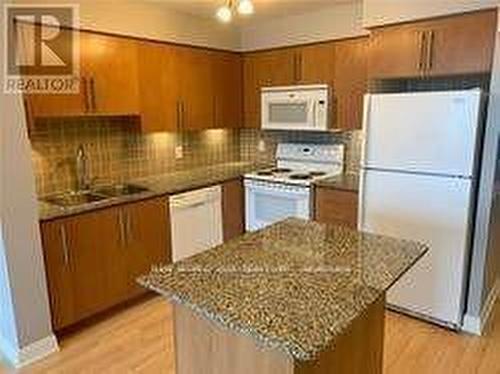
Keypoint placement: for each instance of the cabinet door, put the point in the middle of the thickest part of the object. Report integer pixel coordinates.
(59, 273)
(52, 105)
(350, 83)
(336, 207)
(260, 69)
(147, 232)
(316, 63)
(233, 209)
(110, 66)
(97, 261)
(462, 44)
(160, 85)
(195, 72)
(228, 106)
(396, 51)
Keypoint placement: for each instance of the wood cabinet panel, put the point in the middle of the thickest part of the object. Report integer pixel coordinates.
(59, 273)
(316, 63)
(446, 46)
(159, 87)
(336, 207)
(395, 51)
(110, 65)
(147, 239)
(228, 89)
(261, 69)
(233, 209)
(462, 44)
(92, 260)
(350, 83)
(197, 89)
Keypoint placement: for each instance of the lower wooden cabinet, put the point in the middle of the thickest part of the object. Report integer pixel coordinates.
(233, 209)
(93, 259)
(339, 207)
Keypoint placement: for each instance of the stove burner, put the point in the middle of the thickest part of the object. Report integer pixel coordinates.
(300, 176)
(281, 170)
(317, 173)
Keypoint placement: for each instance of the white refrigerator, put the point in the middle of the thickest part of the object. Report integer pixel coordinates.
(417, 182)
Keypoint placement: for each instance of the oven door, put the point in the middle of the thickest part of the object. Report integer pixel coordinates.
(282, 112)
(268, 202)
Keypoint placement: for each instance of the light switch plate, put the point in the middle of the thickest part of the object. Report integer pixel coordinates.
(179, 152)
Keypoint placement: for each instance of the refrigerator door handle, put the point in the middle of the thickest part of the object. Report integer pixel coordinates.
(361, 204)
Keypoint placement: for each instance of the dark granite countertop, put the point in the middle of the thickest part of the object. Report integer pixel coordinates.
(158, 185)
(294, 286)
(346, 182)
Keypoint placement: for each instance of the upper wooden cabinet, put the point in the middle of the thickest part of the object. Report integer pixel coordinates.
(282, 67)
(261, 69)
(228, 89)
(109, 83)
(315, 63)
(445, 46)
(109, 68)
(350, 83)
(159, 88)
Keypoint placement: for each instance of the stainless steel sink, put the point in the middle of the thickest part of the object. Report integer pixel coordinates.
(74, 199)
(120, 190)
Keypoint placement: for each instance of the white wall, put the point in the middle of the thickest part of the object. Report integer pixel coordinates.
(23, 288)
(379, 12)
(153, 20)
(338, 21)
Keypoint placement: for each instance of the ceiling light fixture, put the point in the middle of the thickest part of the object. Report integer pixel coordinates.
(243, 7)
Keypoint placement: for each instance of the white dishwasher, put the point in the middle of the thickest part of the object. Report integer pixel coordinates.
(196, 219)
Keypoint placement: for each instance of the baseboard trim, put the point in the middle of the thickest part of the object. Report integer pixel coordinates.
(475, 325)
(29, 354)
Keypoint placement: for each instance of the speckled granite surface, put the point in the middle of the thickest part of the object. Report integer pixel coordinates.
(295, 286)
(159, 185)
(346, 182)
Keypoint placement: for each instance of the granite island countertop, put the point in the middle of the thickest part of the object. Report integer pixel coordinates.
(159, 185)
(295, 286)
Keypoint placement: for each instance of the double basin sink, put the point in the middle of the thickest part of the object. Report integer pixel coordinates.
(96, 195)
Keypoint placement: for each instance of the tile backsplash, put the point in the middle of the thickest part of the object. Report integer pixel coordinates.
(118, 151)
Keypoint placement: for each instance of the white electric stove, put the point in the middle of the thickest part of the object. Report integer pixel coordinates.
(285, 191)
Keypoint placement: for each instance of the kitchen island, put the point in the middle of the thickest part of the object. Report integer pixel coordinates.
(296, 297)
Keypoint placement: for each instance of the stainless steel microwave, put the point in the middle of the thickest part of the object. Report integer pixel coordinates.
(295, 108)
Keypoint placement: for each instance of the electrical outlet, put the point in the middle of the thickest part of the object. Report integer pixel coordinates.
(262, 146)
(179, 152)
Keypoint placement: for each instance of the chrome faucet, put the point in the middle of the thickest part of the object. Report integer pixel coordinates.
(81, 169)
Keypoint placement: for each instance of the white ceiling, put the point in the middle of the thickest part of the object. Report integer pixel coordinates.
(264, 9)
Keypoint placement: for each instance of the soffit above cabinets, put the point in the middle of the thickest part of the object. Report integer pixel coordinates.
(264, 9)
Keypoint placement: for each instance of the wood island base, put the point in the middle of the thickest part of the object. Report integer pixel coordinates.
(203, 347)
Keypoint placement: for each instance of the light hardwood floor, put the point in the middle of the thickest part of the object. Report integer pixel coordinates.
(139, 340)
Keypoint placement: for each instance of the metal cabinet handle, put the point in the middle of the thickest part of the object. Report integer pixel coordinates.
(85, 94)
(421, 53)
(93, 100)
(430, 49)
(299, 66)
(178, 112)
(121, 223)
(65, 246)
(128, 227)
(183, 115)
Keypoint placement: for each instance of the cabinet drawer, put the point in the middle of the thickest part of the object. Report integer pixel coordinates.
(336, 207)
